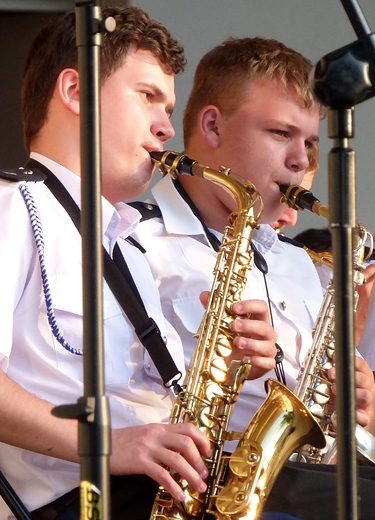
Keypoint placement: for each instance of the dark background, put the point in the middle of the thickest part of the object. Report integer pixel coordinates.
(20, 21)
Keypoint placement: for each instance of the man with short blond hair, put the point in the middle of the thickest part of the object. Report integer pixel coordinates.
(251, 109)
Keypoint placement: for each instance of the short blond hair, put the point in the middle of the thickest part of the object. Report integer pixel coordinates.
(223, 75)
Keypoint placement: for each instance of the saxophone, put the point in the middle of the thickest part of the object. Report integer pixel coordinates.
(313, 385)
(237, 485)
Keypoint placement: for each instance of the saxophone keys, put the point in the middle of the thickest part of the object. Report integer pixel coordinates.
(244, 459)
(317, 411)
(213, 391)
(208, 419)
(218, 369)
(246, 466)
(223, 346)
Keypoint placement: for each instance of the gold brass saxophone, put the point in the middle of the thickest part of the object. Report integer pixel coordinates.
(313, 385)
(237, 485)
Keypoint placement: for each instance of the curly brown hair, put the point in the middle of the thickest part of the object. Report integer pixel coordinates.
(224, 74)
(54, 50)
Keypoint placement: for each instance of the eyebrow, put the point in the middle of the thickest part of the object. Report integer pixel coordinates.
(159, 94)
(293, 128)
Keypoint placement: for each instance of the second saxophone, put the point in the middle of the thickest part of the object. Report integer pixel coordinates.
(313, 385)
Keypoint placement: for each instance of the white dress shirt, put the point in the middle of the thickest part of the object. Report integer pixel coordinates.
(182, 261)
(29, 353)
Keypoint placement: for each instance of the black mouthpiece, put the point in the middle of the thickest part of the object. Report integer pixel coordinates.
(300, 197)
(157, 156)
(181, 162)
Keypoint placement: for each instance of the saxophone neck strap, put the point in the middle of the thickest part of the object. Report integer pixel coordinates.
(122, 285)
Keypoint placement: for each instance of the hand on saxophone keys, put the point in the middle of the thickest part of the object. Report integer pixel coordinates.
(254, 336)
(365, 393)
(152, 448)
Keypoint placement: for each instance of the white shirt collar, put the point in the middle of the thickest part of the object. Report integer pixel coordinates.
(117, 220)
(171, 204)
(266, 239)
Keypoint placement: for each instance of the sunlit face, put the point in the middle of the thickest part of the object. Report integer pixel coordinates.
(136, 104)
(266, 141)
(289, 216)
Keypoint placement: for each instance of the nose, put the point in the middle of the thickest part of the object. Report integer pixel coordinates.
(297, 159)
(162, 128)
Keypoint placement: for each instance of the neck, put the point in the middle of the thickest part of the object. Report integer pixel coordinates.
(59, 140)
(206, 196)
(63, 159)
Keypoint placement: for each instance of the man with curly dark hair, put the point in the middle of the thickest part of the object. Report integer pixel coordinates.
(41, 276)
(38, 371)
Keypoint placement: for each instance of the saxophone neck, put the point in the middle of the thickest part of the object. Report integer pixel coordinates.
(361, 238)
(242, 191)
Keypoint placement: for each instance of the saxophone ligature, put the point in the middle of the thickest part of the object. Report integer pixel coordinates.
(313, 384)
(237, 485)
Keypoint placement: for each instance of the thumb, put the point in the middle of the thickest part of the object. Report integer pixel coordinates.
(203, 297)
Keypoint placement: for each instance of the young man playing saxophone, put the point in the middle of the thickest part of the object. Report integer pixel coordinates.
(251, 109)
(38, 452)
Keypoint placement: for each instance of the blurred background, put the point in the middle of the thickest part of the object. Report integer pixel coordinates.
(313, 28)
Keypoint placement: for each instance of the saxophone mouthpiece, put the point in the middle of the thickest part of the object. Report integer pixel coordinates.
(156, 156)
(299, 198)
(173, 163)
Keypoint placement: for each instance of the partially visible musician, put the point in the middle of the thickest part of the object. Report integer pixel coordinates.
(250, 109)
(320, 241)
(289, 216)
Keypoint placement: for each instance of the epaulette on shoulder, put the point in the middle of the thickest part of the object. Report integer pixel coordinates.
(146, 209)
(288, 240)
(22, 174)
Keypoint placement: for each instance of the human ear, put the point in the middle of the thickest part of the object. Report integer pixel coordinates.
(68, 89)
(208, 124)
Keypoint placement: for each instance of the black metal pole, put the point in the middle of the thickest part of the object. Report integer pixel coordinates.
(341, 80)
(94, 429)
(356, 17)
(342, 221)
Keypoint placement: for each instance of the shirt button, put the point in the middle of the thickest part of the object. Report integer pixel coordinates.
(148, 367)
(148, 206)
(283, 306)
(165, 339)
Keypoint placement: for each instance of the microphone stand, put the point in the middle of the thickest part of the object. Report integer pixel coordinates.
(91, 410)
(341, 80)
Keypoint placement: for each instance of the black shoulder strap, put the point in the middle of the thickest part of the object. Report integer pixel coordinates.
(121, 283)
(147, 210)
(22, 174)
(288, 240)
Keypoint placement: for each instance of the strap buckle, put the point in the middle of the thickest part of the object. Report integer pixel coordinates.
(147, 328)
